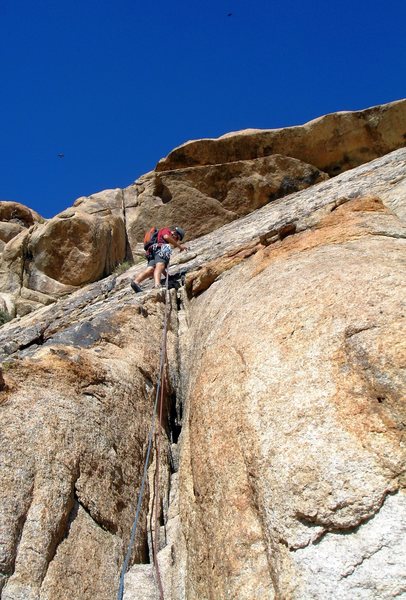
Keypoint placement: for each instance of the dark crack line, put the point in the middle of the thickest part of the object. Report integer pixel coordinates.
(106, 525)
(73, 503)
(38, 341)
(128, 251)
(359, 562)
(393, 236)
(62, 532)
(19, 534)
(351, 332)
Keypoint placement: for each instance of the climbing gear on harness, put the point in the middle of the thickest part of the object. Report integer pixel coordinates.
(158, 403)
(164, 251)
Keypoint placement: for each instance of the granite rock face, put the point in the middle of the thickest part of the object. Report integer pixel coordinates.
(14, 217)
(332, 143)
(202, 185)
(79, 246)
(282, 464)
(76, 400)
(53, 258)
(203, 199)
(292, 470)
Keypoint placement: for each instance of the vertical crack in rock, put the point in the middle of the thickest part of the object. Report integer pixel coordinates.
(174, 419)
(45, 547)
(285, 494)
(270, 544)
(8, 566)
(141, 578)
(65, 523)
(170, 431)
(104, 524)
(128, 251)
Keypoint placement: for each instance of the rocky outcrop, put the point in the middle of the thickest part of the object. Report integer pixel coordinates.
(14, 218)
(53, 258)
(80, 245)
(332, 143)
(202, 185)
(205, 198)
(16, 221)
(286, 371)
(87, 241)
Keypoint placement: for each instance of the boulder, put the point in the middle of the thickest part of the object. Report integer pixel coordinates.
(18, 214)
(9, 230)
(82, 244)
(16, 220)
(77, 247)
(332, 143)
(12, 262)
(102, 203)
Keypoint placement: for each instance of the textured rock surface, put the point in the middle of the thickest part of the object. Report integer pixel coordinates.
(287, 365)
(75, 409)
(202, 185)
(16, 220)
(78, 246)
(295, 422)
(14, 215)
(205, 198)
(368, 564)
(292, 448)
(333, 143)
(140, 583)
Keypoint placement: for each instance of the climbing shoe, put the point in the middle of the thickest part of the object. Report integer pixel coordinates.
(137, 289)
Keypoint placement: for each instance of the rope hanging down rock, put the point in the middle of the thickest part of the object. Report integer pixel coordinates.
(158, 400)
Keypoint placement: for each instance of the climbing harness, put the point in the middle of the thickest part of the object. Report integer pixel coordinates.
(158, 405)
(164, 251)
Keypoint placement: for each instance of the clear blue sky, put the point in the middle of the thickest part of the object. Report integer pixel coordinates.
(115, 85)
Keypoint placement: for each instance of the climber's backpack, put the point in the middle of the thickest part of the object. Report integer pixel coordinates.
(150, 238)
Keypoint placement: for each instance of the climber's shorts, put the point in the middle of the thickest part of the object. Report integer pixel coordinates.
(155, 259)
(160, 254)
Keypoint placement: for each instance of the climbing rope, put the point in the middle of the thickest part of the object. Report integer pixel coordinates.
(158, 400)
(156, 486)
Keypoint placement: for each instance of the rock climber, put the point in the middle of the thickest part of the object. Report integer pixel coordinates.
(158, 253)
